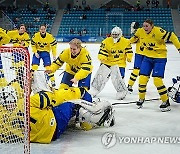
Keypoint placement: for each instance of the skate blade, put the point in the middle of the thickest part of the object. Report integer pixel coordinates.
(165, 109)
(130, 92)
(139, 106)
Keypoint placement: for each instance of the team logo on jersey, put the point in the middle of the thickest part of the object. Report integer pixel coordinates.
(151, 44)
(113, 51)
(116, 56)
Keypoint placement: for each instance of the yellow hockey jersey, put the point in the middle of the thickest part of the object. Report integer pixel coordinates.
(139, 46)
(80, 67)
(111, 53)
(153, 44)
(19, 39)
(4, 38)
(42, 120)
(44, 99)
(42, 125)
(47, 43)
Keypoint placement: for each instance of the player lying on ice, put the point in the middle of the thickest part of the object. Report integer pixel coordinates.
(50, 112)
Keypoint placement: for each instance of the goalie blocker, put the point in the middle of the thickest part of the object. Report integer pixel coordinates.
(102, 76)
(174, 90)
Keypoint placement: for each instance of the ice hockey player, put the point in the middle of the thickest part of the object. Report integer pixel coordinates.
(42, 44)
(139, 55)
(50, 112)
(19, 38)
(153, 39)
(78, 65)
(113, 54)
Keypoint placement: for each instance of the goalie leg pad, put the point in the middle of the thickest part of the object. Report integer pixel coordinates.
(104, 116)
(100, 79)
(118, 82)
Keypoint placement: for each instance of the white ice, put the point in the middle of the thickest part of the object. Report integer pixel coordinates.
(147, 122)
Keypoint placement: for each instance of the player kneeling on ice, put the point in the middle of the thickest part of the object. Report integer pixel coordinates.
(50, 112)
(174, 91)
(113, 54)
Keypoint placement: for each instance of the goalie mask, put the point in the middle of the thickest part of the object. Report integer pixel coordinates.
(116, 33)
(8, 97)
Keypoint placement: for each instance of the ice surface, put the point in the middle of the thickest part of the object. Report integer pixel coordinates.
(147, 122)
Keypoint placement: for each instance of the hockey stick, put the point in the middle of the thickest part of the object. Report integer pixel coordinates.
(133, 102)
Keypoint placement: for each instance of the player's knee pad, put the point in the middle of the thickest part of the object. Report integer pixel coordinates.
(136, 71)
(158, 81)
(143, 80)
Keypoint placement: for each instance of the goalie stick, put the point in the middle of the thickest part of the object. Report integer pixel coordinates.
(133, 102)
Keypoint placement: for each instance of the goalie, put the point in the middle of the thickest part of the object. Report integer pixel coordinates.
(113, 54)
(50, 112)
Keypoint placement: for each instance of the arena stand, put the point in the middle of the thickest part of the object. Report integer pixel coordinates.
(99, 22)
(32, 19)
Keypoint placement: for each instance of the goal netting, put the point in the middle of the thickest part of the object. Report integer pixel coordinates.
(14, 100)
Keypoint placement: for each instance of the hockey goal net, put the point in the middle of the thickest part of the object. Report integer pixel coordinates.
(14, 100)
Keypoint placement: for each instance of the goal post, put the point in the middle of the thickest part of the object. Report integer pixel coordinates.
(14, 100)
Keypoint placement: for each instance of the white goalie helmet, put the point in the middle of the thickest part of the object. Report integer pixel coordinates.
(8, 95)
(116, 33)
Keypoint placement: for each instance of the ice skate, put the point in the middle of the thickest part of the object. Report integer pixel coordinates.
(165, 106)
(140, 103)
(130, 90)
